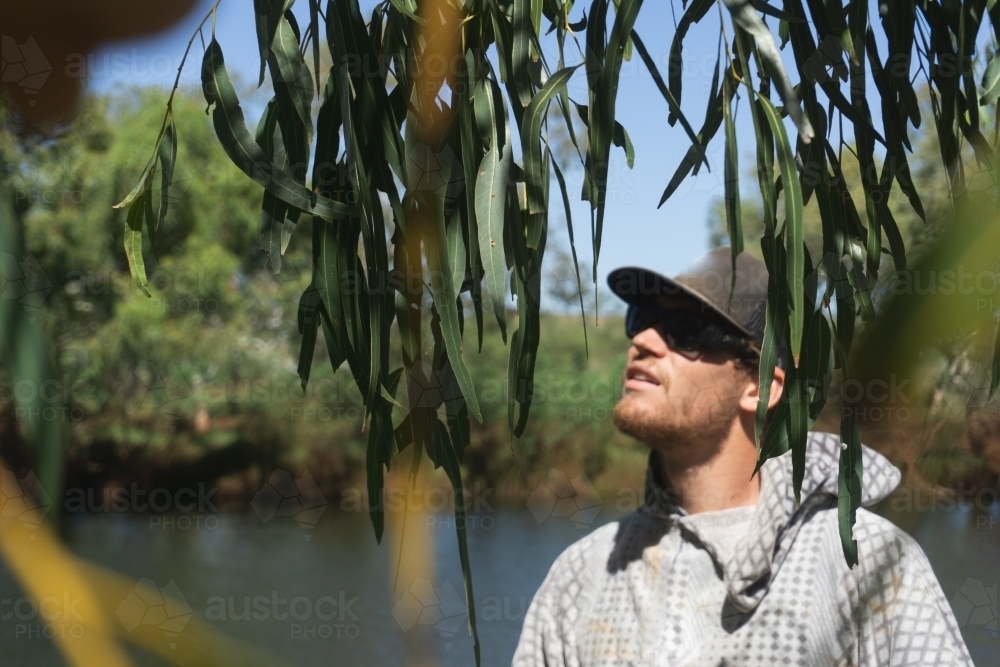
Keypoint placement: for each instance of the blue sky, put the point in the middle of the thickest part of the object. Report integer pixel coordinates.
(636, 232)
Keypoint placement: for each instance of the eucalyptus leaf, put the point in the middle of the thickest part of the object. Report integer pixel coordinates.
(520, 55)
(452, 458)
(267, 15)
(133, 240)
(572, 246)
(602, 108)
(230, 127)
(775, 324)
(672, 103)
(619, 136)
(731, 173)
(793, 228)
(849, 485)
(167, 153)
(694, 14)
(744, 16)
(293, 73)
(491, 194)
(445, 297)
(531, 131)
(308, 320)
(991, 82)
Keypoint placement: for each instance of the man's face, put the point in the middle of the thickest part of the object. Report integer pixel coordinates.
(673, 401)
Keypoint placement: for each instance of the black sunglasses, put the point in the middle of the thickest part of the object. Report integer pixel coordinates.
(688, 331)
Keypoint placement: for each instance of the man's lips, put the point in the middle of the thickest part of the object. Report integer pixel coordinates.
(637, 377)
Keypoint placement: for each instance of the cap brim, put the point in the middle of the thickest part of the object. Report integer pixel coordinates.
(637, 286)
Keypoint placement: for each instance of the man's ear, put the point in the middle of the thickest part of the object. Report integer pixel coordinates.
(750, 396)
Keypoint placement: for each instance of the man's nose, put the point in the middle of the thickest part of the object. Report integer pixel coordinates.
(650, 342)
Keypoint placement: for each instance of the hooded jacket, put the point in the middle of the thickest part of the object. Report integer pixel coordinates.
(653, 589)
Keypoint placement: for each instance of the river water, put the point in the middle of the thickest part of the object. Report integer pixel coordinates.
(322, 594)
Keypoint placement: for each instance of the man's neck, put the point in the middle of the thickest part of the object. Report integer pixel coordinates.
(717, 481)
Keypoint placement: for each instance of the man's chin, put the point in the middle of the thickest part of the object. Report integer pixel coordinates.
(632, 417)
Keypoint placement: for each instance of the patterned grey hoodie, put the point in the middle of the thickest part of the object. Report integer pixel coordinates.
(652, 589)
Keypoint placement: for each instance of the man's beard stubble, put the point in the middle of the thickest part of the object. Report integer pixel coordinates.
(679, 427)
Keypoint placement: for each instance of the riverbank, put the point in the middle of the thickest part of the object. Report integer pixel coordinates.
(588, 463)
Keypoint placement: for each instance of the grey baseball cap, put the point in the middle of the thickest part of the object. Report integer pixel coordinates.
(706, 286)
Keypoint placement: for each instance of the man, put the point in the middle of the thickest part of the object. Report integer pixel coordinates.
(719, 567)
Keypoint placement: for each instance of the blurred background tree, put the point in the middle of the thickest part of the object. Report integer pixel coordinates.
(208, 363)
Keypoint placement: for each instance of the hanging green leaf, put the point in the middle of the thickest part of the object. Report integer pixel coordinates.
(602, 97)
(454, 472)
(849, 485)
(133, 240)
(694, 155)
(793, 228)
(308, 320)
(521, 53)
(675, 71)
(991, 82)
(731, 174)
(775, 323)
(619, 137)
(491, 194)
(572, 246)
(436, 247)
(167, 152)
(746, 18)
(672, 103)
(230, 127)
(267, 15)
(535, 178)
(293, 73)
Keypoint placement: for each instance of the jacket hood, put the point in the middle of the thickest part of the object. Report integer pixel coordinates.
(776, 522)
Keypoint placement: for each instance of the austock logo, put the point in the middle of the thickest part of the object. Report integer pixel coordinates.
(558, 496)
(828, 57)
(24, 500)
(181, 179)
(972, 382)
(25, 65)
(270, 289)
(281, 496)
(976, 605)
(437, 171)
(147, 605)
(424, 604)
(428, 387)
(24, 281)
(149, 389)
